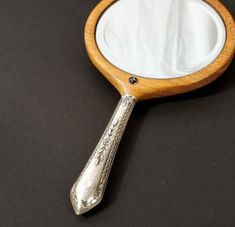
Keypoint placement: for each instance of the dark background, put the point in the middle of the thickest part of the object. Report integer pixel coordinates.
(176, 163)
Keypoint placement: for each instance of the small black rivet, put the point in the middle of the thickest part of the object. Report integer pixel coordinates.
(133, 80)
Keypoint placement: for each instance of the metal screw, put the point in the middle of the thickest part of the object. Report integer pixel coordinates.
(133, 80)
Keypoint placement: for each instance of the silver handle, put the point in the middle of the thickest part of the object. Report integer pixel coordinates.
(88, 190)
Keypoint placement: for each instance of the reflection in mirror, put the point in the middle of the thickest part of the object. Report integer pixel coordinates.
(160, 38)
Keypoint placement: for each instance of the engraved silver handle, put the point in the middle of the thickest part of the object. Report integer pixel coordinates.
(88, 190)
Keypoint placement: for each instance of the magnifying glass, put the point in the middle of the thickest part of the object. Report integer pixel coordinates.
(149, 49)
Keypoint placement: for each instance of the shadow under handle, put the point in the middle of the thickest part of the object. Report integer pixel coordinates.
(88, 190)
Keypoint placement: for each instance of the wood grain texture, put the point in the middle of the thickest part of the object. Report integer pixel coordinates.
(155, 88)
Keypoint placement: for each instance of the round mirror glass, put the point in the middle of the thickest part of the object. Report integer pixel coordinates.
(161, 39)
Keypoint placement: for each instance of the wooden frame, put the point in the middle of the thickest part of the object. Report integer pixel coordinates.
(154, 88)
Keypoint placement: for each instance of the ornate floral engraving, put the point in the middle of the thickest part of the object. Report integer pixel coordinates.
(104, 153)
(105, 143)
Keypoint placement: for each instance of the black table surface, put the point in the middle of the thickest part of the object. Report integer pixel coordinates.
(176, 163)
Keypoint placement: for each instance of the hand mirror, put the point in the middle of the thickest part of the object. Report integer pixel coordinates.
(149, 49)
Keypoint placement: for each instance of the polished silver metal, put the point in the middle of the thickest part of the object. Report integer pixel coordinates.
(88, 190)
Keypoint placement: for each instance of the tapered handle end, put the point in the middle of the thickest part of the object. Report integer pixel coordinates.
(79, 202)
(87, 192)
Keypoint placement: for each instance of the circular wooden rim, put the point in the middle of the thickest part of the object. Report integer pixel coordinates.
(147, 88)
